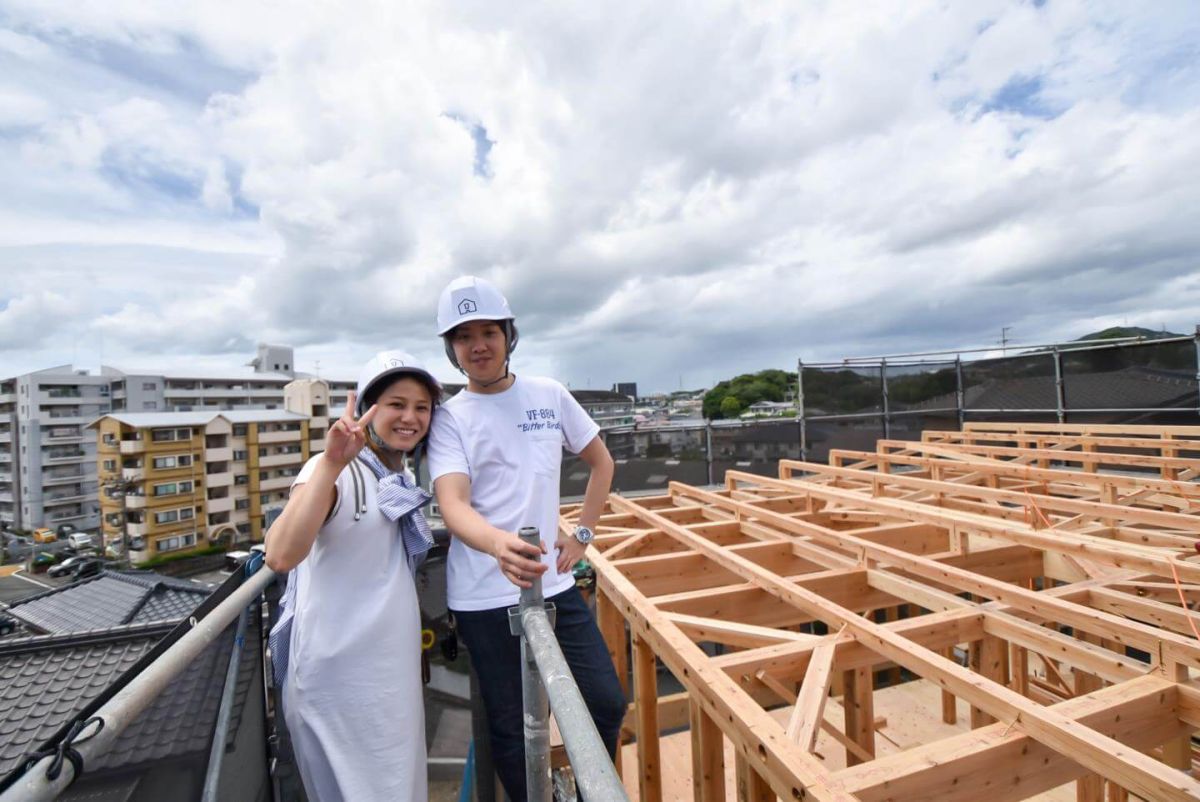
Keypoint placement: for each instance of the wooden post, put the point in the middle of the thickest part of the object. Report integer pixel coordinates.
(612, 628)
(645, 686)
(949, 711)
(1178, 753)
(1090, 787)
(750, 786)
(859, 704)
(989, 657)
(708, 757)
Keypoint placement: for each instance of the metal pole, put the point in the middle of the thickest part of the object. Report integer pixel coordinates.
(1060, 403)
(538, 785)
(959, 394)
(216, 754)
(884, 389)
(708, 448)
(595, 775)
(800, 409)
(130, 701)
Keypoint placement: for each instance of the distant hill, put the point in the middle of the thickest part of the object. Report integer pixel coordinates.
(1117, 332)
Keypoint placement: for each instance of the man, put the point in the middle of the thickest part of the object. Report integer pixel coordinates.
(495, 452)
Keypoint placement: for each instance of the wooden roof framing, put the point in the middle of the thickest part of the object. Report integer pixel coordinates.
(1044, 596)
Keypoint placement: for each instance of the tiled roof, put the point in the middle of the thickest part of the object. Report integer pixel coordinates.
(110, 599)
(47, 680)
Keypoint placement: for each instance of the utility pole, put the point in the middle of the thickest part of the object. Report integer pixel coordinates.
(122, 486)
(1004, 330)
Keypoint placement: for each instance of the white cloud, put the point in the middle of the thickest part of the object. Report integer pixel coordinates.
(716, 186)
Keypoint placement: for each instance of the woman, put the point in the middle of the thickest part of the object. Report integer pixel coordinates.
(353, 533)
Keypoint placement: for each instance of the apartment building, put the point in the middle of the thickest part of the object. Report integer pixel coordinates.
(182, 481)
(608, 409)
(48, 462)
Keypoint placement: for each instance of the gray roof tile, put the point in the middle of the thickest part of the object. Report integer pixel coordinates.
(110, 599)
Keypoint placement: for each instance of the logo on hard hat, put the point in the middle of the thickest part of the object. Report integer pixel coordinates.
(394, 363)
(467, 306)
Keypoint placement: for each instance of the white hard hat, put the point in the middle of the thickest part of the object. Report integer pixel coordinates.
(470, 298)
(384, 365)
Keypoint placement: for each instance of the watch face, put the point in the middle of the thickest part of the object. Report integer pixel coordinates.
(583, 534)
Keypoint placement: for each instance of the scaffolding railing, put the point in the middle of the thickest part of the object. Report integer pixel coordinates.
(547, 684)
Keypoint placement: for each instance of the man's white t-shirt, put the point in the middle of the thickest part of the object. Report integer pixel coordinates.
(509, 444)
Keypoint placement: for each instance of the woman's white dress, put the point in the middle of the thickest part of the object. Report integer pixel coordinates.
(353, 694)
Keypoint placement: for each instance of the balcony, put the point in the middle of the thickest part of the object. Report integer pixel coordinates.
(6, 496)
(58, 479)
(223, 479)
(134, 502)
(136, 530)
(72, 498)
(133, 474)
(70, 515)
(63, 459)
(278, 483)
(133, 446)
(316, 446)
(5, 437)
(219, 505)
(279, 437)
(224, 454)
(275, 460)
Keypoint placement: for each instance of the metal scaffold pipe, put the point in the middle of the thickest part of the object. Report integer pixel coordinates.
(546, 677)
(538, 784)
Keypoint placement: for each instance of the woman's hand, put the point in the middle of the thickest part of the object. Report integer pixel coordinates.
(347, 436)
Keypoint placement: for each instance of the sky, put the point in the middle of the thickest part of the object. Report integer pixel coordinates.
(669, 193)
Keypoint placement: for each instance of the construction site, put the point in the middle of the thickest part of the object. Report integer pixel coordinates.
(1002, 611)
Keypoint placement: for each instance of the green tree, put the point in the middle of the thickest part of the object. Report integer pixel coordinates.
(731, 407)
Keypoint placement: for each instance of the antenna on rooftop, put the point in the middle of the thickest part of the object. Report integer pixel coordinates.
(1004, 330)
(317, 368)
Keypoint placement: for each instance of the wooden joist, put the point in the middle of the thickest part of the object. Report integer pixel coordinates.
(1020, 588)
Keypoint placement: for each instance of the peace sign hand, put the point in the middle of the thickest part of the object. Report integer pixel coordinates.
(347, 436)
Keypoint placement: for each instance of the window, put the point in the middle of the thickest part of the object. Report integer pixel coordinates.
(109, 439)
(110, 464)
(150, 386)
(239, 456)
(175, 542)
(239, 430)
(241, 479)
(241, 504)
(186, 514)
(185, 487)
(162, 435)
(265, 498)
(173, 461)
(168, 489)
(149, 405)
(166, 517)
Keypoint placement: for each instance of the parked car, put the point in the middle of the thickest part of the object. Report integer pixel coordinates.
(80, 541)
(68, 565)
(43, 559)
(44, 535)
(7, 625)
(233, 559)
(66, 529)
(89, 567)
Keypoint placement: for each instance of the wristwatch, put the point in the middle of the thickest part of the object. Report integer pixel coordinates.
(584, 535)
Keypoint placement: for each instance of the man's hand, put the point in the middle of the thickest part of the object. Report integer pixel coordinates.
(519, 561)
(570, 551)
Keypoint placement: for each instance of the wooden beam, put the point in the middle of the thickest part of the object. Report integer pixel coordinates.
(1095, 751)
(809, 711)
(708, 757)
(645, 683)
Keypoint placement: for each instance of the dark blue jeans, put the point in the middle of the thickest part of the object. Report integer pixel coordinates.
(496, 657)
